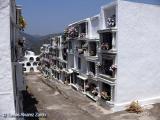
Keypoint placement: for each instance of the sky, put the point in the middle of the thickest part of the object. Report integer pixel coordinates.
(52, 16)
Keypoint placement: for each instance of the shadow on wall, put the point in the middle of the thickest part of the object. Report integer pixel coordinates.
(29, 105)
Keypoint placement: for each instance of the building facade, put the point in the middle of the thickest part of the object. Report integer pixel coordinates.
(31, 62)
(108, 56)
(12, 50)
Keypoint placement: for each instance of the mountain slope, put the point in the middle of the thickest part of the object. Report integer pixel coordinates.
(34, 42)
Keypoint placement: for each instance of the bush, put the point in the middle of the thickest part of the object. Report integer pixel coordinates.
(135, 107)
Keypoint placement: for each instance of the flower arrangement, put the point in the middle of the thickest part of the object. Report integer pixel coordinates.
(111, 21)
(82, 35)
(104, 46)
(98, 64)
(22, 23)
(113, 68)
(94, 92)
(104, 95)
(71, 32)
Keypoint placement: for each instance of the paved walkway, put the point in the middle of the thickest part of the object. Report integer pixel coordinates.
(60, 102)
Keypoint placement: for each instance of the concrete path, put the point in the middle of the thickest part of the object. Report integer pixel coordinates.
(60, 102)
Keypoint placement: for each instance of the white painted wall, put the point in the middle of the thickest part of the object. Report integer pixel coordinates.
(6, 83)
(60, 48)
(138, 53)
(94, 27)
(70, 61)
(83, 65)
(19, 74)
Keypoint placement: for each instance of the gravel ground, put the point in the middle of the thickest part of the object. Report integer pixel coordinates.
(60, 102)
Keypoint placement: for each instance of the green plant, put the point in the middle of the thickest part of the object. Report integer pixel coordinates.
(22, 23)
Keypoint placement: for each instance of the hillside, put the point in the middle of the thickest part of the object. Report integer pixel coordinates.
(34, 42)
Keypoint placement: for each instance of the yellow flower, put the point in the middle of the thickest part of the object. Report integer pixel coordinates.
(22, 22)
